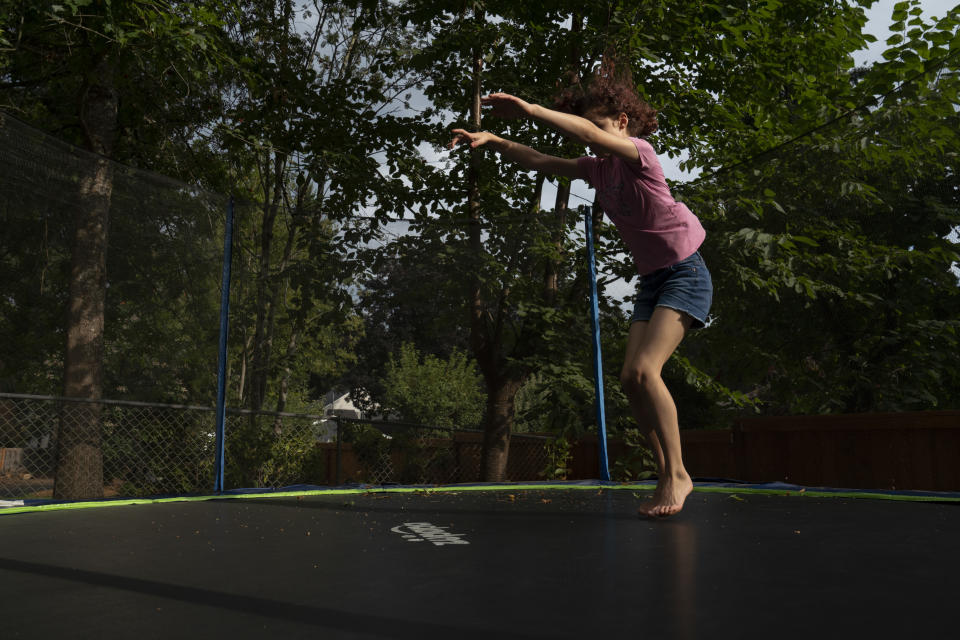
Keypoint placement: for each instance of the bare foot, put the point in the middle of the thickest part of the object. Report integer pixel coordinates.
(646, 507)
(673, 492)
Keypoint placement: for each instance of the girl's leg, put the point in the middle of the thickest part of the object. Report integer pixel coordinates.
(649, 346)
(634, 341)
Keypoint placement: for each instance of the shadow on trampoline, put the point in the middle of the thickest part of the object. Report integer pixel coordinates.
(321, 617)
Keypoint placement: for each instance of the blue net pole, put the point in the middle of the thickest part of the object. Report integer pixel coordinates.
(222, 359)
(597, 355)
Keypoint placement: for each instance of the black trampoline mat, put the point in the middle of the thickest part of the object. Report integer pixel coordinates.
(490, 564)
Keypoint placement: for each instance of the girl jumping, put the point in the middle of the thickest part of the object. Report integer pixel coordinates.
(675, 289)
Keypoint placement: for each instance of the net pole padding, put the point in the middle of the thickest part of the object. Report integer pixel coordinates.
(222, 357)
(597, 351)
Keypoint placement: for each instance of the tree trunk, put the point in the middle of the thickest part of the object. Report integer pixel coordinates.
(551, 285)
(496, 435)
(483, 338)
(79, 473)
(285, 379)
(263, 333)
(477, 328)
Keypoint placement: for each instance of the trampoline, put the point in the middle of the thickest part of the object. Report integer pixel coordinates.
(494, 561)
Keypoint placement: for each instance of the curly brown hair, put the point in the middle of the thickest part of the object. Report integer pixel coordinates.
(610, 92)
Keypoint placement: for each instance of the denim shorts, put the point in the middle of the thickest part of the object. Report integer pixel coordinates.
(685, 286)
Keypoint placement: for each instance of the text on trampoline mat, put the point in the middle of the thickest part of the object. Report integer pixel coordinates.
(427, 532)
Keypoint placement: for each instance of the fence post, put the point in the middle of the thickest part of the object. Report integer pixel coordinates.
(597, 355)
(339, 450)
(222, 356)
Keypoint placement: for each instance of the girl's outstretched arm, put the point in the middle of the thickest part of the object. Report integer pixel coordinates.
(528, 158)
(602, 142)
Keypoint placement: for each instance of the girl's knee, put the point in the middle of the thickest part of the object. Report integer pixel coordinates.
(637, 379)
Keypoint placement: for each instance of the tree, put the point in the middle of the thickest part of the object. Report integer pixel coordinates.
(424, 389)
(405, 295)
(519, 320)
(841, 296)
(489, 223)
(313, 118)
(312, 115)
(81, 50)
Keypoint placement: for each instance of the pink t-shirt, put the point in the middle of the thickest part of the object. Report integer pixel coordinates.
(658, 230)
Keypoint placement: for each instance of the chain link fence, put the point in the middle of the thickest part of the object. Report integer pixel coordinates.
(130, 449)
(123, 448)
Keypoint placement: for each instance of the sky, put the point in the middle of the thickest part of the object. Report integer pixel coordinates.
(878, 22)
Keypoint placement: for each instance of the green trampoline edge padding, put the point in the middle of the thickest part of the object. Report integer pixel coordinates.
(777, 489)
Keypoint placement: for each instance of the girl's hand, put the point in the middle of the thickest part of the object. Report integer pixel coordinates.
(474, 138)
(507, 106)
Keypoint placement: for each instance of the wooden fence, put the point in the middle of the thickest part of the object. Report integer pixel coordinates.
(860, 451)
